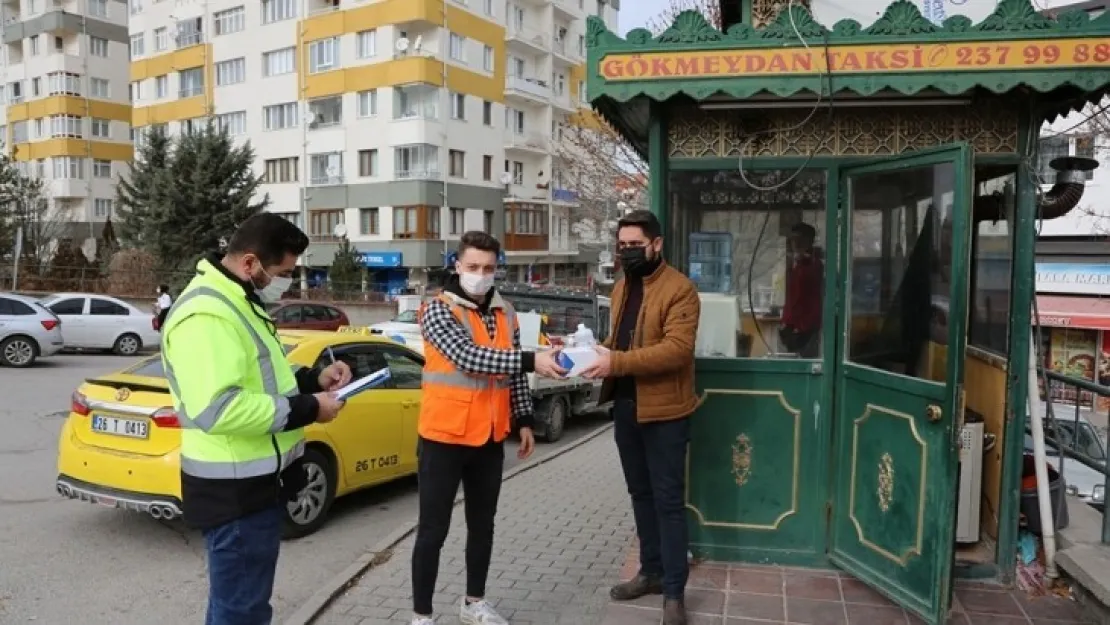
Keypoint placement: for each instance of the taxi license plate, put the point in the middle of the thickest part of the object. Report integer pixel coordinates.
(132, 428)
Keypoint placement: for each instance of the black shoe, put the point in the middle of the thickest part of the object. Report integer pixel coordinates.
(674, 612)
(636, 587)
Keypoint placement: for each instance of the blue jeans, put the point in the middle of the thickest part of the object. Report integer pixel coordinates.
(653, 456)
(242, 560)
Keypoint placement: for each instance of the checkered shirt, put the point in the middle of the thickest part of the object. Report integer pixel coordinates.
(447, 334)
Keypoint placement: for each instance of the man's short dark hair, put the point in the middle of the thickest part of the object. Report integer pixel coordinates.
(268, 236)
(644, 220)
(805, 230)
(478, 240)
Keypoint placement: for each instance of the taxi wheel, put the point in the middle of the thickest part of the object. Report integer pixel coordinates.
(309, 512)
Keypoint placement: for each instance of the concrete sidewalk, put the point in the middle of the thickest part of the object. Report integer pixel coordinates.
(563, 531)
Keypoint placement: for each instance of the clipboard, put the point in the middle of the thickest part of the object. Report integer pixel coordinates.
(365, 383)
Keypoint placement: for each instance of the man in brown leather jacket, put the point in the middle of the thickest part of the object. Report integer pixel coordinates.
(648, 366)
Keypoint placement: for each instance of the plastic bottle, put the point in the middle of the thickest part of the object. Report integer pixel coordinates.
(583, 337)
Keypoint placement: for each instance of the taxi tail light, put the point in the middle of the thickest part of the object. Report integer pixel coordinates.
(79, 405)
(166, 418)
(50, 324)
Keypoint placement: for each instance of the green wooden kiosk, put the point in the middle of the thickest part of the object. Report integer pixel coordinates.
(910, 147)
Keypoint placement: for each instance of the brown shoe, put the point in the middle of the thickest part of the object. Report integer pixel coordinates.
(674, 612)
(635, 588)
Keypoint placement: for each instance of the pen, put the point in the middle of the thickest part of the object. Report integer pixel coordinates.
(331, 354)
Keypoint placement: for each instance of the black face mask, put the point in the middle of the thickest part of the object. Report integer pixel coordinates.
(635, 262)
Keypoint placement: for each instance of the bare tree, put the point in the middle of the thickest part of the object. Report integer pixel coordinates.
(1091, 136)
(42, 225)
(711, 9)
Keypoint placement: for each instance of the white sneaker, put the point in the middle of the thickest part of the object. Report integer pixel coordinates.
(479, 613)
(422, 620)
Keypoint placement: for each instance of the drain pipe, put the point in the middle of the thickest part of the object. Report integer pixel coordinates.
(1040, 463)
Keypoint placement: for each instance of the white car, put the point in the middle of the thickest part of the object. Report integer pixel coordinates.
(102, 322)
(403, 328)
(27, 331)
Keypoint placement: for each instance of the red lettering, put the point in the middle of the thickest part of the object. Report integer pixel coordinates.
(899, 59)
(612, 68)
(755, 64)
(917, 62)
(636, 68)
(733, 64)
(851, 62)
(711, 64)
(686, 66)
(801, 61)
(777, 64)
(875, 60)
(660, 67)
(833, 60)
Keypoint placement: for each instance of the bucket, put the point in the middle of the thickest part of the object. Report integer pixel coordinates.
(1030, 501)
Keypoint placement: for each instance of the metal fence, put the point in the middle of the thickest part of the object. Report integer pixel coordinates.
(1077, 431)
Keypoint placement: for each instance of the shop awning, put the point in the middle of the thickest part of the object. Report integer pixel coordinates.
(901, 54)
(1061, 311)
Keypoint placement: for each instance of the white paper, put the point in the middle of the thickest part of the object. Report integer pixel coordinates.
(375, 379)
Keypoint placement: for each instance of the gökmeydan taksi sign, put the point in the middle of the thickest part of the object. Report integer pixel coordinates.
(1018, 55)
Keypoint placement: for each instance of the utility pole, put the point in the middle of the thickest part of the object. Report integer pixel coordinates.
(15, 257)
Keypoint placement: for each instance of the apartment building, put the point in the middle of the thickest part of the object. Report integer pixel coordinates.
(406, 122)
(66, 114)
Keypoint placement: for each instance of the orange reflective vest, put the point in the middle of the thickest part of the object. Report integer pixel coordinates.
(460, 408)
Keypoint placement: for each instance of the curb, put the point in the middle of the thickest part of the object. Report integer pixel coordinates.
(382, 551)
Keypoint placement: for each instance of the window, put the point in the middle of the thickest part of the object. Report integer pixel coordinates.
(161, 86)
(457, 218)
(487, 58)
(416, 102)
(514, 120)
(59, 44)
(367, 163)
(234, 123)
(36, 87)
(138, 46)
(14, 307)
(361, 358)
(35, 45)
(323, 223)
(230, 21)
(281, 170)
(326, 168)
(530, 219)
(99, 306)
(419, 162)
(368, 103)
(278, 62)
(416, 222)
(368, 221)
(136, 7)
(487, 167)
(582, 92)
(98, 8)
(487, 221)
(280, 116)
(161, 39)
(518, 173)
(63, 83)
(456, 163)
(581, 45)
(405, 373)
(991, 262)
(487, 6)
(71, 306)
(98, 88)
(101, 168)
(457, 48)
(101, 128)
(278, 10)
(323, 55)
(98, 46)
(190, 32)
(231, 72)
(516, 67)
(366, 44)
(289, 314)
(19, 132)
(458, 106)
(191, 82)
(66, 126)
(102, 208)
(487, 113)
(68, 167)
(325, 112)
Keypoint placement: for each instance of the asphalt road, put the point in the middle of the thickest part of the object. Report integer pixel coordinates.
(68, 562)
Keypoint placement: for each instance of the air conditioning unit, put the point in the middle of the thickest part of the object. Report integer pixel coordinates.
(971, 483)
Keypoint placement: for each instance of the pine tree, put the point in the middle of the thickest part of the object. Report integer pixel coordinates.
(345, 272)
(142, 193)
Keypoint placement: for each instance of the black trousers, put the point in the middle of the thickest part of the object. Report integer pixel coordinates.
(441, 467)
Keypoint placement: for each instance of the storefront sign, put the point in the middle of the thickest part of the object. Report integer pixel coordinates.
(379, 260)
(1073, 278)
(885, 58)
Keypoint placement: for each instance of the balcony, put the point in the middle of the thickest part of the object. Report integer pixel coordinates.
(528, 142)
(564, 53)
(531, 90)
(419, 173)
(191, 91)
(317, 7)
(564, 196)
(186, 39)
(326, 180)
(530, 39)
(567, 9)
(564, 102)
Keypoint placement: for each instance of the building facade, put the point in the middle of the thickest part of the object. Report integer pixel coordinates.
(399, 123)
(66, 113)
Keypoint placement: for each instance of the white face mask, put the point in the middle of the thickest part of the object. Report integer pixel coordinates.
(476, 284)
(273, 291)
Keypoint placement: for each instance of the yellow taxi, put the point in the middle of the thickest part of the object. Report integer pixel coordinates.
(120, 445)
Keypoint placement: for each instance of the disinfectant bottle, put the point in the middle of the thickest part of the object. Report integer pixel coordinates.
(583, 337)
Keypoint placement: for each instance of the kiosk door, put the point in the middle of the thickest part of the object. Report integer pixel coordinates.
(899, 373)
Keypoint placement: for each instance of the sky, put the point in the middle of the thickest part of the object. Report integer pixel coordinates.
(636, 13)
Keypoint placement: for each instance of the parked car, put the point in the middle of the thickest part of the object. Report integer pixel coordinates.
(102, 322)
(403, 328)
(28, 331)
(120, 445)
(296, 315)
(1082, 481)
